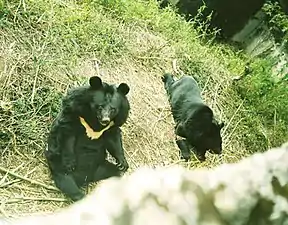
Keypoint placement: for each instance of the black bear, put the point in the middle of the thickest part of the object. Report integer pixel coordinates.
(195, 122)
(88, 125)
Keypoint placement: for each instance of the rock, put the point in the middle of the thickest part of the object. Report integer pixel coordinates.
(252, 191)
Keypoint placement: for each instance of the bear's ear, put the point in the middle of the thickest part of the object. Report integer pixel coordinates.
(221, 125)
(95, 82)
(123, 88)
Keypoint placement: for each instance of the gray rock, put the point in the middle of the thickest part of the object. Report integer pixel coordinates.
(253, 191)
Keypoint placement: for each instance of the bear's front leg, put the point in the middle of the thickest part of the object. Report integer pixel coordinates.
(179, 130)
(114, 146)
(184, 149)
(67, 153)
(200, 154)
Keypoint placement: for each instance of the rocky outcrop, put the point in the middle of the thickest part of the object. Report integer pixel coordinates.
(253, 191)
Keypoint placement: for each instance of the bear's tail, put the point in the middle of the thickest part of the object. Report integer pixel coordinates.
(168, 80)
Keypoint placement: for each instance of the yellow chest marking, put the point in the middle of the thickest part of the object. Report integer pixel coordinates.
(94, 134)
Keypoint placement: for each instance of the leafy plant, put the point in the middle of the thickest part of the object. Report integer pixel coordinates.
(277, 20)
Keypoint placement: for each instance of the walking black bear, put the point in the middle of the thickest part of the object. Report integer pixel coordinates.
(88, 125)
(195, 121)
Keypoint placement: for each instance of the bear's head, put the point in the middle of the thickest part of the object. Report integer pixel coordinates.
(98, 104)
(204, 132)
(108, 102)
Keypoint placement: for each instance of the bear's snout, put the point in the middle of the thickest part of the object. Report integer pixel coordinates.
(105, 121)
(217, 151)
(104, 116)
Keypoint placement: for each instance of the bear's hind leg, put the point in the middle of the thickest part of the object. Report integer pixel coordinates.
(106, 170)
(67, 184)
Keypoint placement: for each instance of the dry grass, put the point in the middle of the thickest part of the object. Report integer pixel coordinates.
(32, 81)
(148, 140)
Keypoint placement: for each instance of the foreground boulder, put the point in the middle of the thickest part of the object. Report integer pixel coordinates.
(253, 191)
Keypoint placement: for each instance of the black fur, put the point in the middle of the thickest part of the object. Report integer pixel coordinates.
(75, 160)
(194, 120)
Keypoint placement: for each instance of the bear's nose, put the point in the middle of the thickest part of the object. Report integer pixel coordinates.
(218, 151)
(105, 121)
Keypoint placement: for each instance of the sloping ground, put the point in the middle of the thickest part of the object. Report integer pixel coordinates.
(33, 81)
(148, 140)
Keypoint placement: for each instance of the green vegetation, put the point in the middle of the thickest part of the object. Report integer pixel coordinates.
(45, 45)
(266, 98)
(277, 20)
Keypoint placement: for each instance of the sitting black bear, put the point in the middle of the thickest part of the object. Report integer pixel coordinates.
(88, 125)
(195, 121)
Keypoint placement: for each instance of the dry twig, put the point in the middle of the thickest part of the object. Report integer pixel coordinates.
(19, 199)
(29, 180)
